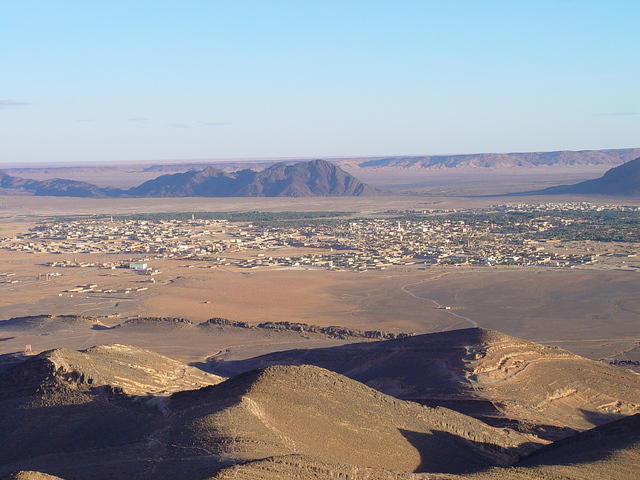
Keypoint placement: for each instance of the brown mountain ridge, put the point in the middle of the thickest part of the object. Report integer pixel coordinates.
(301, 179)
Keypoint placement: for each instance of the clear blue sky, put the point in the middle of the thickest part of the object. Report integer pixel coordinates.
(143, 80)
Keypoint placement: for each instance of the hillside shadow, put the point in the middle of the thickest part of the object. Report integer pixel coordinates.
(8, 360)
(540, 430)
(599, 418)
(444, 452)
(593, 445)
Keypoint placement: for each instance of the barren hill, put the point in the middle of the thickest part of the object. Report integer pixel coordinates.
(302, 179)
(104, 413)
(623, 180)
(55, 187)
(501, 379)
(608, 452)
(604, 453)
(336, 419)
(80, 415)
(132, 370)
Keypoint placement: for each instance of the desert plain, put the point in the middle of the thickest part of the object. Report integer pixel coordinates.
(592, 312)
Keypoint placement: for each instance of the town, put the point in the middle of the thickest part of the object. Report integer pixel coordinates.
(499, 235)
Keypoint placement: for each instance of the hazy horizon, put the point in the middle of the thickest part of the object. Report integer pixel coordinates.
(160, 81)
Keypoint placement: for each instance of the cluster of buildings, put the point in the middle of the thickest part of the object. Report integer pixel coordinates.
(163, 238)
(422, 239)
(379, 243)
(93, 288)
(7, 278)
(566, 207)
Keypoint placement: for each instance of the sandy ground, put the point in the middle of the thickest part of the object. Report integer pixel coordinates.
(591, 312)
(12, 206)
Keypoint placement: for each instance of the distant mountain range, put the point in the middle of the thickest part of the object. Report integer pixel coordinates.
(563, 158)
(57, 187)
(324, 178)
(302, 179)
(623, 180)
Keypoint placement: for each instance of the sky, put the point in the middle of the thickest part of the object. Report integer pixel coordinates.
(125, 81)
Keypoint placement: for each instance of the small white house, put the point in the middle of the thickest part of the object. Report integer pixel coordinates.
(138, 266)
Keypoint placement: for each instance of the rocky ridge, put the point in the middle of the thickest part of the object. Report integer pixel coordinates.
(69, 414)
(489, 375)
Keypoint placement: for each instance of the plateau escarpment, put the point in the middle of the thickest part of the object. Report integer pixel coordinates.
(555, 159)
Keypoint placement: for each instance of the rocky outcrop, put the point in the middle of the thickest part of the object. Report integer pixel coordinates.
(331, 331)
(223, 322)
(144, 322)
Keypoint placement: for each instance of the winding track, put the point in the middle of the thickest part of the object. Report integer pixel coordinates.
(473, 323)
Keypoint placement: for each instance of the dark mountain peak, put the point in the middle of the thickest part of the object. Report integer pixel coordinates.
(631, 168)
(623, 180)
(302, 179)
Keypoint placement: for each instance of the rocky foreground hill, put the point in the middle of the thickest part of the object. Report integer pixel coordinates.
(498, 378)
(116, 411)
(603, 453)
